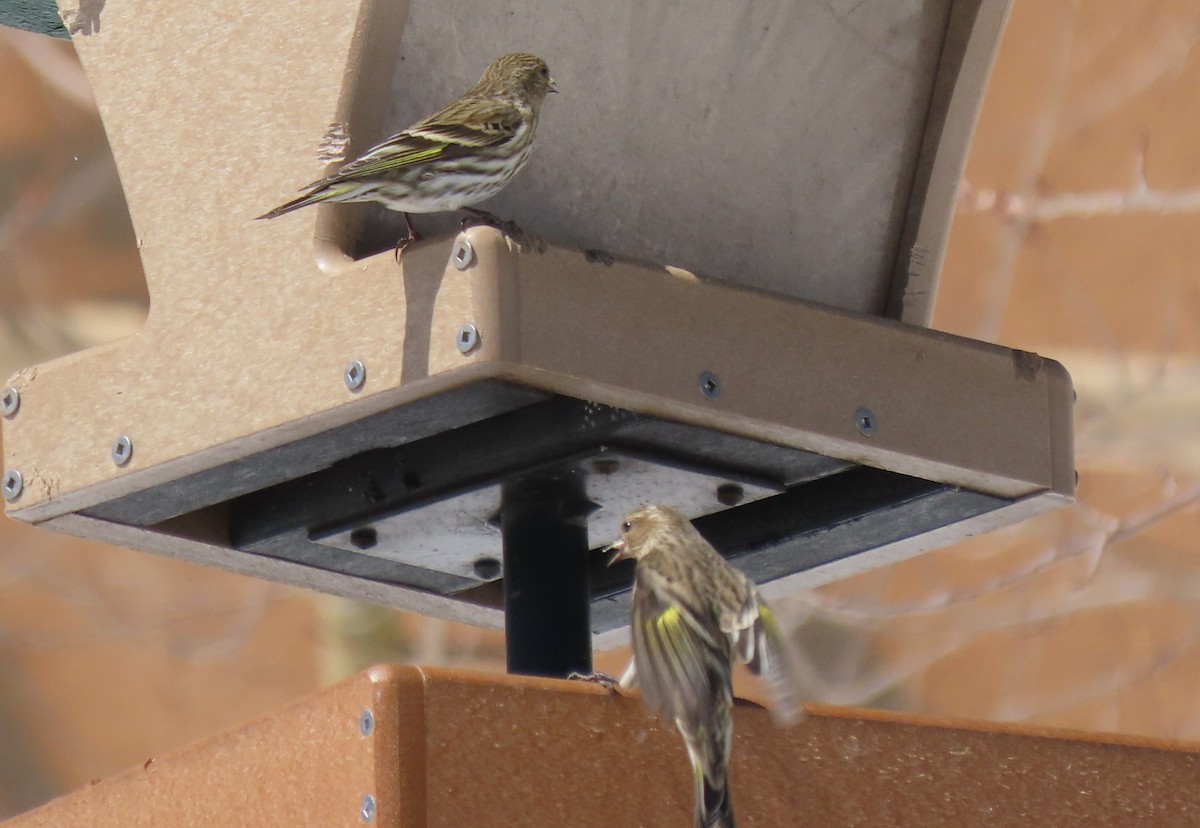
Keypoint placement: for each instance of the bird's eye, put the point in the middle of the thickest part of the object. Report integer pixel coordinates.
(626, 526)
(544, 71)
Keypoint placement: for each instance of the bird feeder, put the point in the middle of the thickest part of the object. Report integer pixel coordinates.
(734, 221)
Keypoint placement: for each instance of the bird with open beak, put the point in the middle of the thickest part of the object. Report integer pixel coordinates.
(693, 615)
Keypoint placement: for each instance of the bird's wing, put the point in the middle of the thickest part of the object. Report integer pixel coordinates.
(760, 643)
(473, 122)
(465, 125)
(683, 659)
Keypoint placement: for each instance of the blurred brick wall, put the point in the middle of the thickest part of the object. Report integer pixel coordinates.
(1077, 236)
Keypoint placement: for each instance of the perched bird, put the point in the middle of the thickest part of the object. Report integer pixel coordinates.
(693, 614)
(461, 155)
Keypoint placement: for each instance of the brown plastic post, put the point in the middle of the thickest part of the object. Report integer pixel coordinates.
(450, 749)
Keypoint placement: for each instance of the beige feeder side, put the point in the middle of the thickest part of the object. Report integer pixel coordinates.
(774, 372)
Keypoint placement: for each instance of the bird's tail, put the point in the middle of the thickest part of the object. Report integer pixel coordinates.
(713, 808)
(319, 192)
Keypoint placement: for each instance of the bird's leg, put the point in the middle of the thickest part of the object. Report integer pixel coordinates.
(627, 681)
(412, 236)
(629, 677)
(510, 228)
(610, 683)
(491, 220)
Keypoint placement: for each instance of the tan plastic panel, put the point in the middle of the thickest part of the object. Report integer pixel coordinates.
(216, 113)
(781, 145)
(958, 91)
(832, 182)
(304, 764)
(451, 749)
(193, 395)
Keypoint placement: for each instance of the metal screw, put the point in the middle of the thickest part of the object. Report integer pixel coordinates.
(364, 537)
(367, 811)
(463, 254)
(864, 421)
(122, 450)
(355, 375)
(487, 569)
(730, 494)
(10, 401)
(366, 722)
(710, 386)
(467, 338)
(13, 483)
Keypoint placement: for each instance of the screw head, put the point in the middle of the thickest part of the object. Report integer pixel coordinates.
(10, 401)
(366, 722)
(122, 450)
(710, 385)
(463, 255)
(865, 422)
(467, 338)
(12, 485)
(367, 809)
(354, 375)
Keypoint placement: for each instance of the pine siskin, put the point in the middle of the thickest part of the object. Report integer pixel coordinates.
(459, 156)
(693, 614)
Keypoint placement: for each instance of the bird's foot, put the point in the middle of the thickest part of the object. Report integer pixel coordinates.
(524, 241)
(609, 683)
(412, 236)
(403, 244)
(477, 216)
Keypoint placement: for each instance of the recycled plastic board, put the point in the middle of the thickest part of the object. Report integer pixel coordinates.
(770, 143)
(449, 748)
(810, 149)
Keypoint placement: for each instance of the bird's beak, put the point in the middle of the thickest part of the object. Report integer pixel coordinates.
(553, 85)
(618, 550)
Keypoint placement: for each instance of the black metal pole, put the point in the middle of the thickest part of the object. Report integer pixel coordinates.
(547, 602)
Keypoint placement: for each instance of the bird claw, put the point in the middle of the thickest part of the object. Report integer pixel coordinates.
(527, 242)
(609, 683)
(509, 228)
(477, 216)
(403, 244)
(412, 236)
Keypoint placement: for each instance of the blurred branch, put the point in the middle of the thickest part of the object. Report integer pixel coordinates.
(1139, 198)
